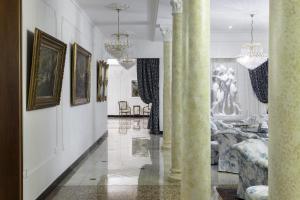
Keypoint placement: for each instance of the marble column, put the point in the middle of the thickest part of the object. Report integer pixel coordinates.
(185, 39)
(177, 104)
(185, 57)
(196, 173)
(284, 100)
(167, 117)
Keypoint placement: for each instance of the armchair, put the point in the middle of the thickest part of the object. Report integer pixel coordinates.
(147, 110)
(124, 108)
(253, 161)
(228, 161)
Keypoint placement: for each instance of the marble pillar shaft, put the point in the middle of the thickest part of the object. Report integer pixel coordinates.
(185, 56)
(185, 40)
(196, 174)
(167, 94)
(177, 105)
(284, 100)
(185, 71)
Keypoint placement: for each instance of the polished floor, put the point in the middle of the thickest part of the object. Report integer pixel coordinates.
(127, 165)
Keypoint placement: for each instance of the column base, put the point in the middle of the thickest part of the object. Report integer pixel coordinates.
(166, 146)
(174, 175)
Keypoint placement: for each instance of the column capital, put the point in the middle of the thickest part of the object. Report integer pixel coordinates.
(176, 6)
(166, 33)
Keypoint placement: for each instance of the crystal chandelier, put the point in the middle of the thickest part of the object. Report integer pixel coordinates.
(119, 44)
(252, 55)
(127, 62)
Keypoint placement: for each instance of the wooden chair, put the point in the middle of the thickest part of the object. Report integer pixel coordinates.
(147, 110)
(124, 108)
(136, 110)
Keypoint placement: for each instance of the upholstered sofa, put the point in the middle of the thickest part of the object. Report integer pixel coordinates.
(227, 158)
(253, 162)
(216, 126)
(259, 192)
(214, 152)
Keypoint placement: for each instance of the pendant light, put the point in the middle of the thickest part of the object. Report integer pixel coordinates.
(119, 43)
(252, 55)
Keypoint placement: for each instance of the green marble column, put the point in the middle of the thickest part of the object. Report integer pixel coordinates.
(177, 104)
(167, 36)
(284, 100)
(185, 50)
(185, 40)
(196, 173)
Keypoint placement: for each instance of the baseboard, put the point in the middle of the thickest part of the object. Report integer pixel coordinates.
(128, 116)
(70, 169)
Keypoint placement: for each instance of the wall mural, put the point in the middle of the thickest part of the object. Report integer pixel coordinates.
(224, 94)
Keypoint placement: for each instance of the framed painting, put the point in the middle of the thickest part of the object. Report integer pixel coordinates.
(134, 89)
(105, 82)
(80, 75)
(101, 66)
(46, 73)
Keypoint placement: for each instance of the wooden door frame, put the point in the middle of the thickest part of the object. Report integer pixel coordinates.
(11, 152)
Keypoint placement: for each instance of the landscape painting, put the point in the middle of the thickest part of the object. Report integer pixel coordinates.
(46, 73)
(134, 89)
(81, 61)
(101, 83)
(105, 82)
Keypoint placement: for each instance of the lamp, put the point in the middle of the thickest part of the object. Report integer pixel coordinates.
(119, 43)
(127, 62)
(252, 55)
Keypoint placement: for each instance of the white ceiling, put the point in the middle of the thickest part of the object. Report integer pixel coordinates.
(144, 17)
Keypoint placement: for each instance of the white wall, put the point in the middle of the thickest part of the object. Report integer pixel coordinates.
(228, 44)
(55, 137)
(119, 88)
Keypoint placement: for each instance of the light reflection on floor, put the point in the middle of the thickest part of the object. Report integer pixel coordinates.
(128, 165)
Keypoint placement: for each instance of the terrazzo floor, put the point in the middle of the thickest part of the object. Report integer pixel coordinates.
(127, 165)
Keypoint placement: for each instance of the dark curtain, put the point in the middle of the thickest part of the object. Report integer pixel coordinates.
(148, 83)
(259, 81)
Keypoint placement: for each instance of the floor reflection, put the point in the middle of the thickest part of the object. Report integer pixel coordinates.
(128, 165)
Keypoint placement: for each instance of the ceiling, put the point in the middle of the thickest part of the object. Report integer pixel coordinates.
(144, 17)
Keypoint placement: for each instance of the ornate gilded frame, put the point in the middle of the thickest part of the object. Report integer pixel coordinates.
(77, 49)
(105, 82)
(102, 68)
(42, 39)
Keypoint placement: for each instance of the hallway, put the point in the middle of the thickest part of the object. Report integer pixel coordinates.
(219, 81)
(128, 164)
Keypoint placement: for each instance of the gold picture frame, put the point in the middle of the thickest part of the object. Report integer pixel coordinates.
(105, 82)
(46, 73)
(80, 75)
(102, 68)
